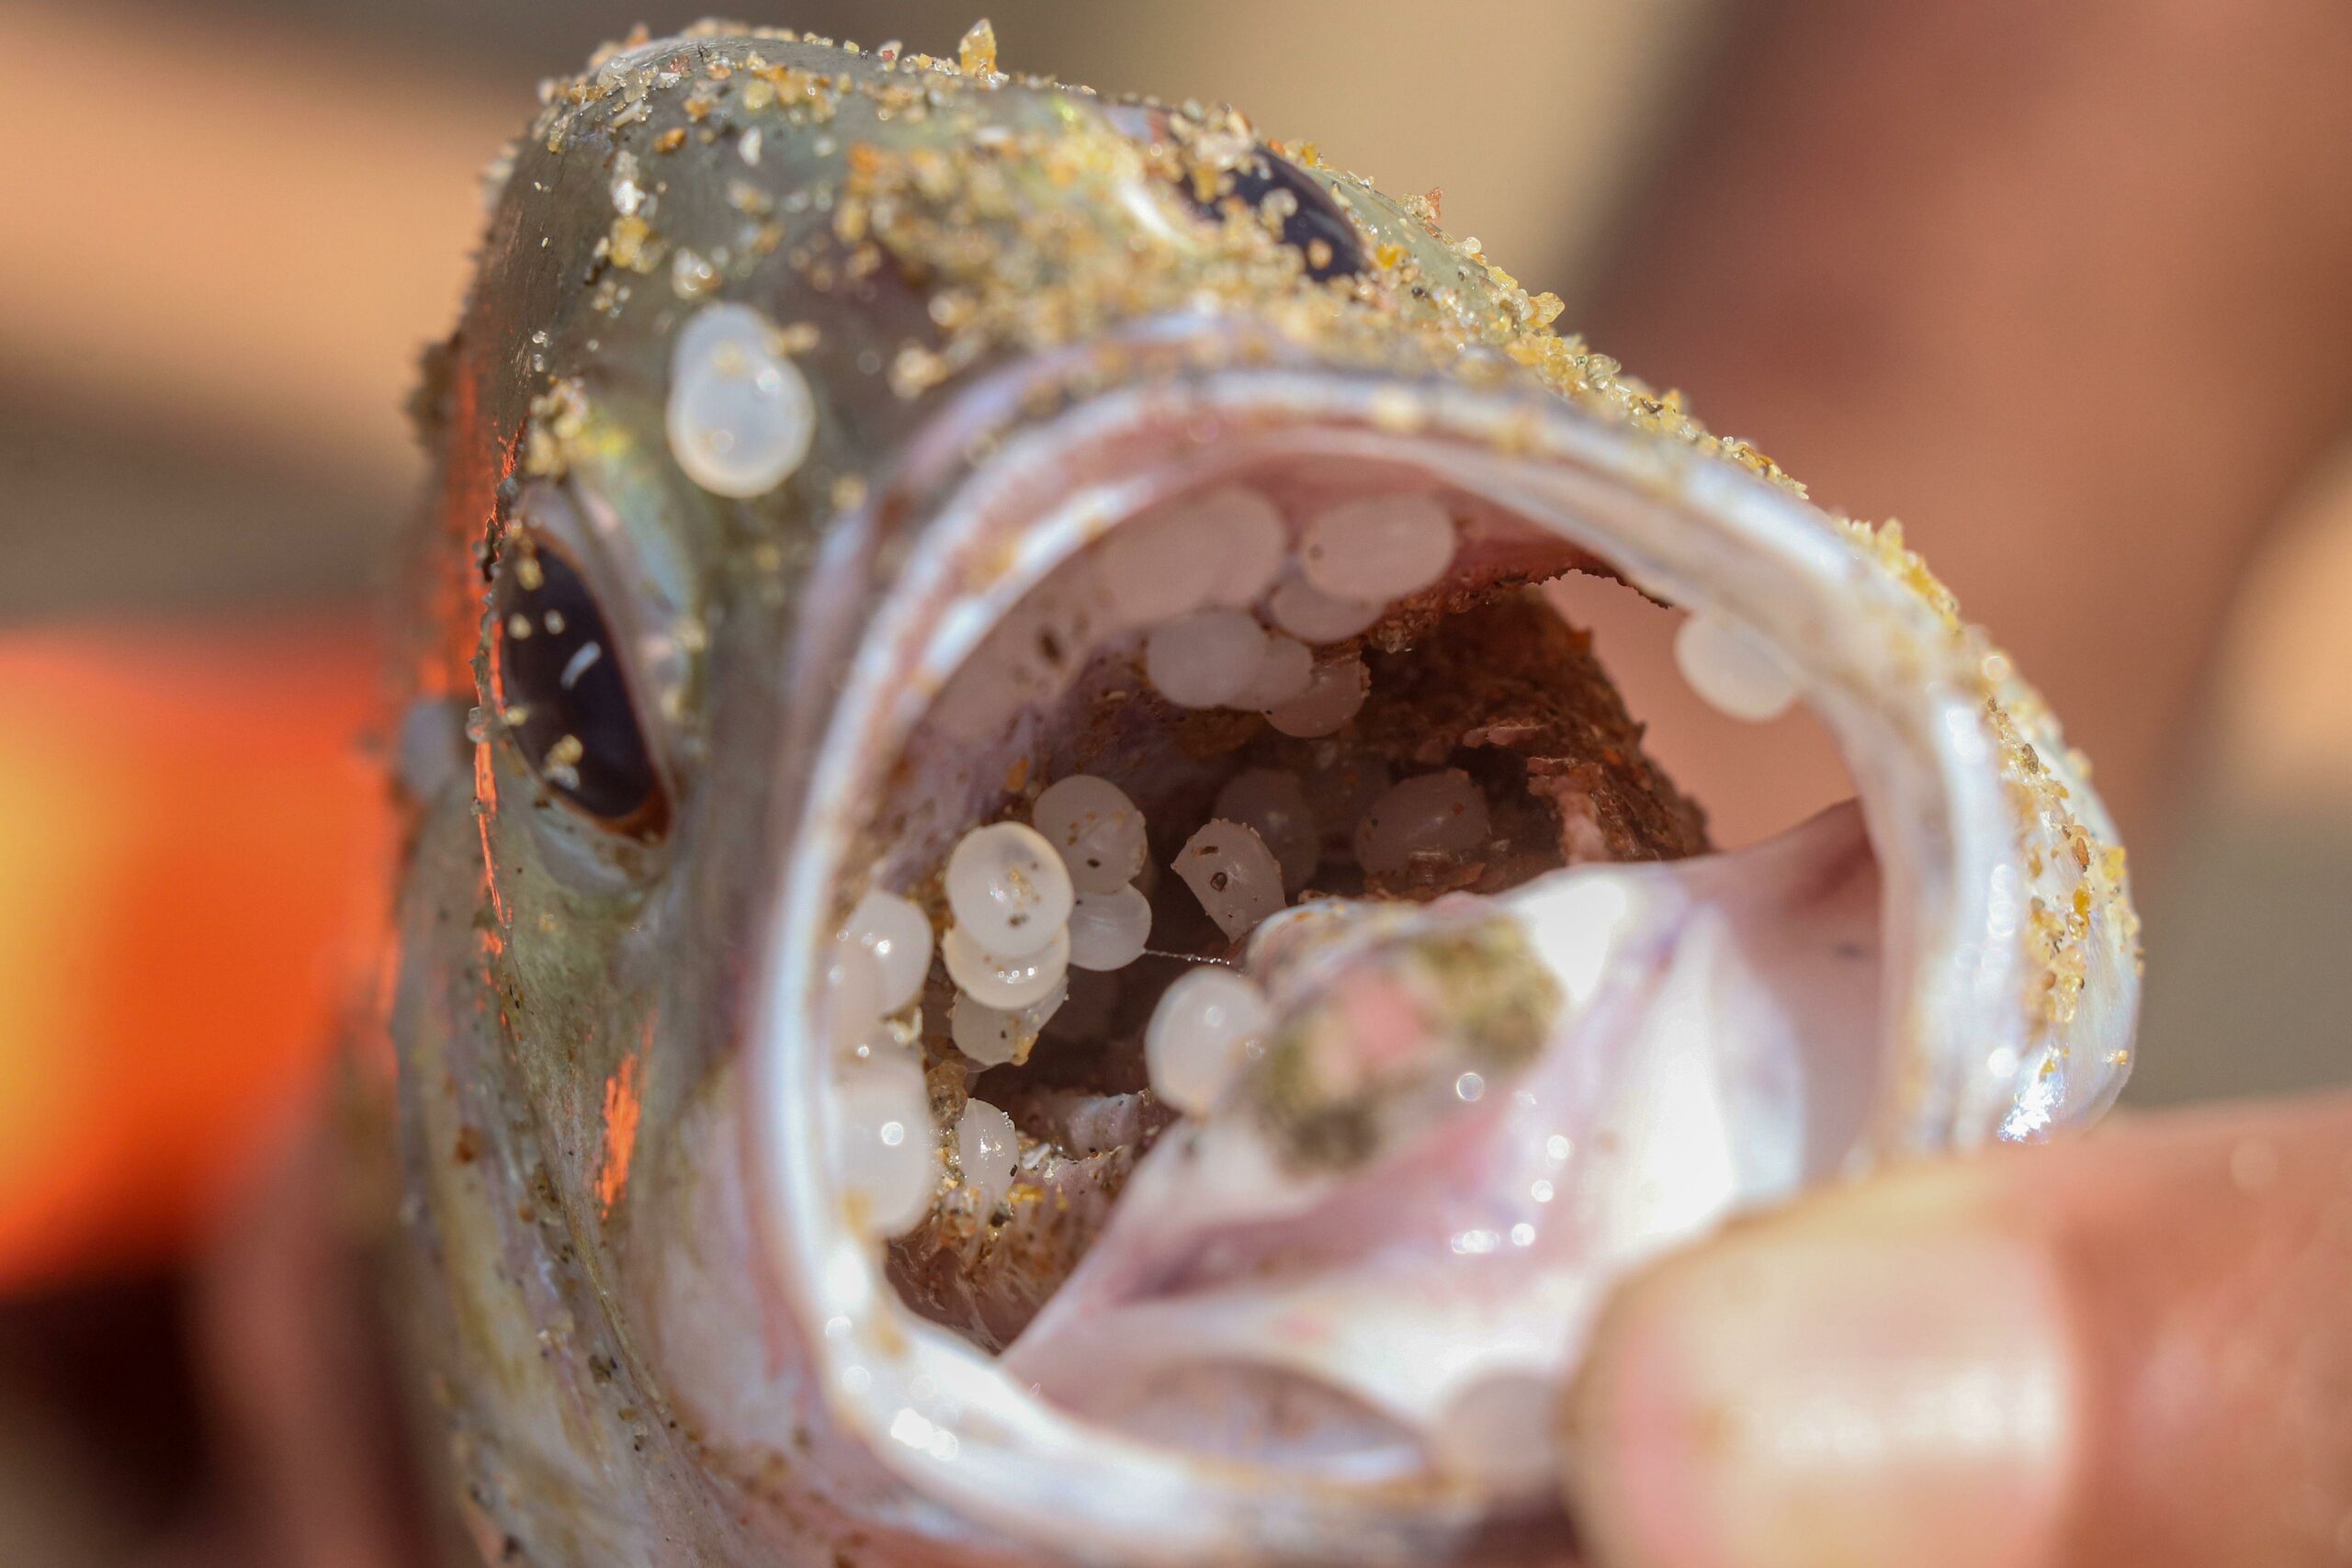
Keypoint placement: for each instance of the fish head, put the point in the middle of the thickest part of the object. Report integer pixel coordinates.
(838, 450)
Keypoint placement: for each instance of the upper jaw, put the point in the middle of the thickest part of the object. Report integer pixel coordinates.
(1979, 821)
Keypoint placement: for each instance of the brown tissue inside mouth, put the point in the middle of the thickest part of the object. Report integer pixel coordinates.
(1501, 689)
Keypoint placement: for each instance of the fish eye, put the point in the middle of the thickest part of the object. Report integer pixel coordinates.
(1313, 223)
(558, 675)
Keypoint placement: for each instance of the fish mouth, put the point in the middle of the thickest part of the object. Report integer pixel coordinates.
(1064, 1270)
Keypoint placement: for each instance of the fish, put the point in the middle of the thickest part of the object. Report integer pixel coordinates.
(1021, 938)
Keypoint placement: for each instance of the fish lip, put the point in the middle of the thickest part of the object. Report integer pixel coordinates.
(1889, 678)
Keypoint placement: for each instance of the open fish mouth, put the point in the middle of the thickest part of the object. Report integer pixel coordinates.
(1243, 992)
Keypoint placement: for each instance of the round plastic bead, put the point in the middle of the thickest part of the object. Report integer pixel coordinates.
(741, 418)
(1009, 889)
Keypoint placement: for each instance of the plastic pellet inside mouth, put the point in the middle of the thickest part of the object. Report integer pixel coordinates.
(1377, 549)
(1730, 668)
(997, 980)
(1206, 659)
(885, 1145)
(992, 1036)
(1095, 828)
(1198, 1034)
(1009, 889)
(1233, 873)
(1108, 930)
(1434, 814)
(895, 934)
(987, 1148)
(1273, 803)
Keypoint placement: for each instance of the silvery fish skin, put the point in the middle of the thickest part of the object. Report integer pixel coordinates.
(653, 1328)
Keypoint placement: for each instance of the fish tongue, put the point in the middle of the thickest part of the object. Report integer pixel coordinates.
(1428, 1268)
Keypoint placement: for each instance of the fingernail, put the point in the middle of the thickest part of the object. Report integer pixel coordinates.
(1877, 1379)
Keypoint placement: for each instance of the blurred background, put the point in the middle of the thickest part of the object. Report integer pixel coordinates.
(2006, 283)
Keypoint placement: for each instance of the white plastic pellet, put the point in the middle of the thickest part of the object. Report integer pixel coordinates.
(1307, 613)
(1283, 675)
(1732, 669)
(1044, 640)
(997, 980)
(1334, 694)
(1246, 533)
(1233, 873)
(987, 1148)
(1107, 931)
(1154, 568)
(1273, 803)
(1009, 889)
(897, 935)
(740, 416)
(885, 1148)
(1378, 548)
(1300, 931)
(1199, 1032)
(993, 1036)
(1205, 659)
(852, 995)
(881, 1040)
(1439, 814)
(1097, 831)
